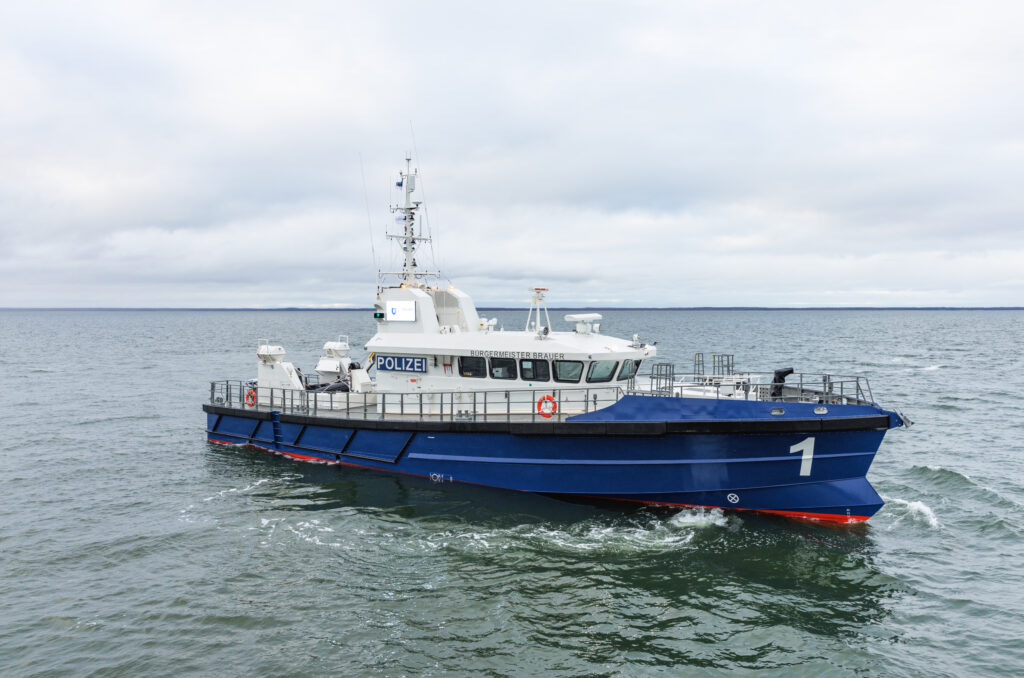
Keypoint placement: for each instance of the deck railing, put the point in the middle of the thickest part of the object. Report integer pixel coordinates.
(801, 388)
(550, 404)
(537, 405)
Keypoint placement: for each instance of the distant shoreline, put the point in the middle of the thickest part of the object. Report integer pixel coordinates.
(552, 308)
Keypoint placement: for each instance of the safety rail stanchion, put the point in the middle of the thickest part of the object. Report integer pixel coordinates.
(833, 389)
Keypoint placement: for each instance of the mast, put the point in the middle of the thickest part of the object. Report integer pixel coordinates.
(407, 217)
(537, 304)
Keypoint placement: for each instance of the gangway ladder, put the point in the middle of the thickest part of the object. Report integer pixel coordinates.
(663, 378)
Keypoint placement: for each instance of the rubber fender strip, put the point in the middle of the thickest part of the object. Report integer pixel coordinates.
(348, 442)
(404, 448)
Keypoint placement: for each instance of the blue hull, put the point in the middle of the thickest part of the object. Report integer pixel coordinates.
(724, 460)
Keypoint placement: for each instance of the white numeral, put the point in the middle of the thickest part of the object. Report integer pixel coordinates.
(807, 447)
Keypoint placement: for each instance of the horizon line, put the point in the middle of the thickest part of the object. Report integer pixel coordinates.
(521, 308)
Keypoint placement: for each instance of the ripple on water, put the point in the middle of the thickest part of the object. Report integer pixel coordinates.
(595, 536)
(916, 511)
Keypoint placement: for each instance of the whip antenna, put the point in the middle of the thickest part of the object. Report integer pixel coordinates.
(426, 203)
(369, 221)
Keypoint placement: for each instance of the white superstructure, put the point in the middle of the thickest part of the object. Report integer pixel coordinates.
(453, 348)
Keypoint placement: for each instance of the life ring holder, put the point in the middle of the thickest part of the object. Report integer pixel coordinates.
(542, 406)
(250, 398)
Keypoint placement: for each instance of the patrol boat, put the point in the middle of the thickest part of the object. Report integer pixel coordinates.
(456, 399)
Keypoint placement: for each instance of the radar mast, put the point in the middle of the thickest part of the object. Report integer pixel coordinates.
(406, 216)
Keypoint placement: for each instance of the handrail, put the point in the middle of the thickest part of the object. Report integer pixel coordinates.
(506, 404)
(799, 387)
(533, 404)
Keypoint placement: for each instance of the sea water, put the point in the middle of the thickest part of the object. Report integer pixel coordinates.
(130, 546)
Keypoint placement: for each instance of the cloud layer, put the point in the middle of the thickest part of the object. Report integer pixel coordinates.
(665, 154)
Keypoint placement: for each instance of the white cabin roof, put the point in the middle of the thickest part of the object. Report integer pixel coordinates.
(555, 346)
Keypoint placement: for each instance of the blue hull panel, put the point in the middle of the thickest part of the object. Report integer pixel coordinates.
(752, 471)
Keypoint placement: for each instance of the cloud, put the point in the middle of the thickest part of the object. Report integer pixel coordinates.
(663, 154)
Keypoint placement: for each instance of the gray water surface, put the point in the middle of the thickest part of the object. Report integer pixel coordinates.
(130, 546)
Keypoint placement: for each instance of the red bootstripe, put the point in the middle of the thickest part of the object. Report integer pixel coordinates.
(805, 515)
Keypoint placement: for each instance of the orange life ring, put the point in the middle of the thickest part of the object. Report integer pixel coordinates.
(541, 406)
(250, 398)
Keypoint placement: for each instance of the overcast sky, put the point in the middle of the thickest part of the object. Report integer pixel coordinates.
(661, 154)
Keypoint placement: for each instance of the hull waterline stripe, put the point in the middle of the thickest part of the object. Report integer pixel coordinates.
(806, 515)
(615, 462)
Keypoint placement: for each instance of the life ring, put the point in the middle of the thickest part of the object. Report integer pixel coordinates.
(542, 406)
(250, 398)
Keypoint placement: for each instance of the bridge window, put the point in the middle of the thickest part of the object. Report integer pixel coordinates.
(629, 368)
(601, 371)
(472, 367)
(503, 368)
(568, 371)
(535, 370)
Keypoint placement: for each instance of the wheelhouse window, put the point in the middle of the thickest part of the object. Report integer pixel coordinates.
(503, 368)
(472, 367)
(601, 371)
(629, 368)
(535, 370)
(568, 371)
